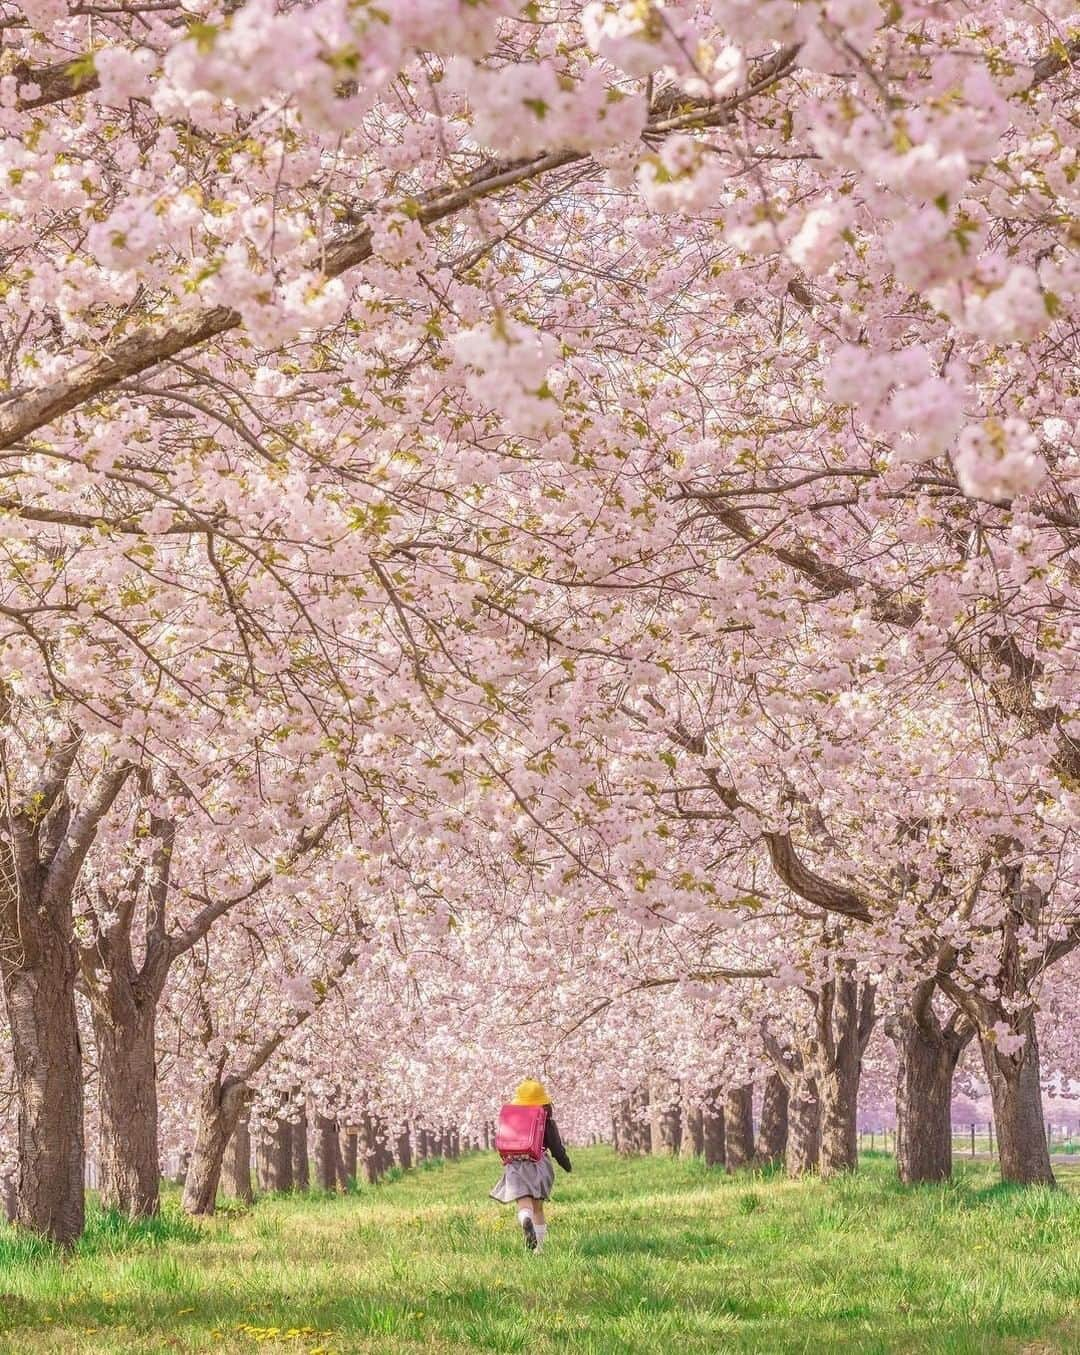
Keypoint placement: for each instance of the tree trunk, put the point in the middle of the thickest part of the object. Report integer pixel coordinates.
(236, 1166)
(47, 1057)
(301, 1167)
(804, 1127)
(127, 1099)
(773, 1129)
(926, 1057)
(326, 1152)
(697, 1131)
(713, 1133)
(690, 1131)
(739, 1126)
(9, 1196)
(348, 1156)
(283, 1137)
(1023, 1154)
(404, 1148)
(220, 1107)
(264, 1166)
(367, 1148)
(838, 1089)
(846, 1018)
(385, 1151)
(273, 1157)
(639, 1109)
(663, 1117)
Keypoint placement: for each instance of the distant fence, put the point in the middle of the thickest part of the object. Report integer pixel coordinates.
(976, 1138)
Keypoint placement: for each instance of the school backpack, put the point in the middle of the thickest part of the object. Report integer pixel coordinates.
(520, 1132)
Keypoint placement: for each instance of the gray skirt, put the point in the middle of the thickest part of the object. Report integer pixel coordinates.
(522, 1176)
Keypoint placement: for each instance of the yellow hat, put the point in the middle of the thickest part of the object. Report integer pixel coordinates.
(530, 1093)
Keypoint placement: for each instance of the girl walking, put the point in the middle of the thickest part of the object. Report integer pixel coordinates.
(527, 1143)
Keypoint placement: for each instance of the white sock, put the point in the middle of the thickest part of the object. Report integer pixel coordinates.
(541, 1233)
(524, 1214)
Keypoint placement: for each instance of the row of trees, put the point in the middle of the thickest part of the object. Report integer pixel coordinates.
(721, 1131)
(486, 480)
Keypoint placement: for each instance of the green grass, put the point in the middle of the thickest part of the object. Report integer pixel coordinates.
(645, 1256)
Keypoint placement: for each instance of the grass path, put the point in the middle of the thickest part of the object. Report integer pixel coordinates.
(645, 1256)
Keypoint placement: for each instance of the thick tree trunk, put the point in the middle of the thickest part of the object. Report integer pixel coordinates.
(347, 1146)
(838, 1089)
(367, 1148)
(621, 1127)
(739, 1126)
(1023, 1154)
(127, 1100)
(697, 1131)
(773, 1129)
(48, 1079)
(404, 1148)
(386, 1151)
(804, 1127)
(220, 1107)
(714, 1138)
(9, 1196)
(846, 1018)
(663, 1117)
(326, 1152)
(639, 1111)
(236, 1166)
(273, 1157)
(301, 1167)
(926, 1057)
(692, 1143)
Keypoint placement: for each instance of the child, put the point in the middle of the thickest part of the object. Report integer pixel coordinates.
(528, 1183)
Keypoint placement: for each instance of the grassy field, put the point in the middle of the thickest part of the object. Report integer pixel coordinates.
(644, 1256)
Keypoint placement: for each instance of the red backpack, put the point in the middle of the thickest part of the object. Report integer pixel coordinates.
(520, 1132)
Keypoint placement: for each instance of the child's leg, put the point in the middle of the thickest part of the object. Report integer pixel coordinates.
(526, 1204)
(540, 1223)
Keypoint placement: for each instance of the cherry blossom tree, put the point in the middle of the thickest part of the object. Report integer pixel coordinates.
(630, 438)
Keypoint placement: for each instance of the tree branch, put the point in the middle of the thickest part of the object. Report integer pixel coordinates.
(29, 410)
(270, 1046)
(213, 909)
(57, 82)
(67, 862)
